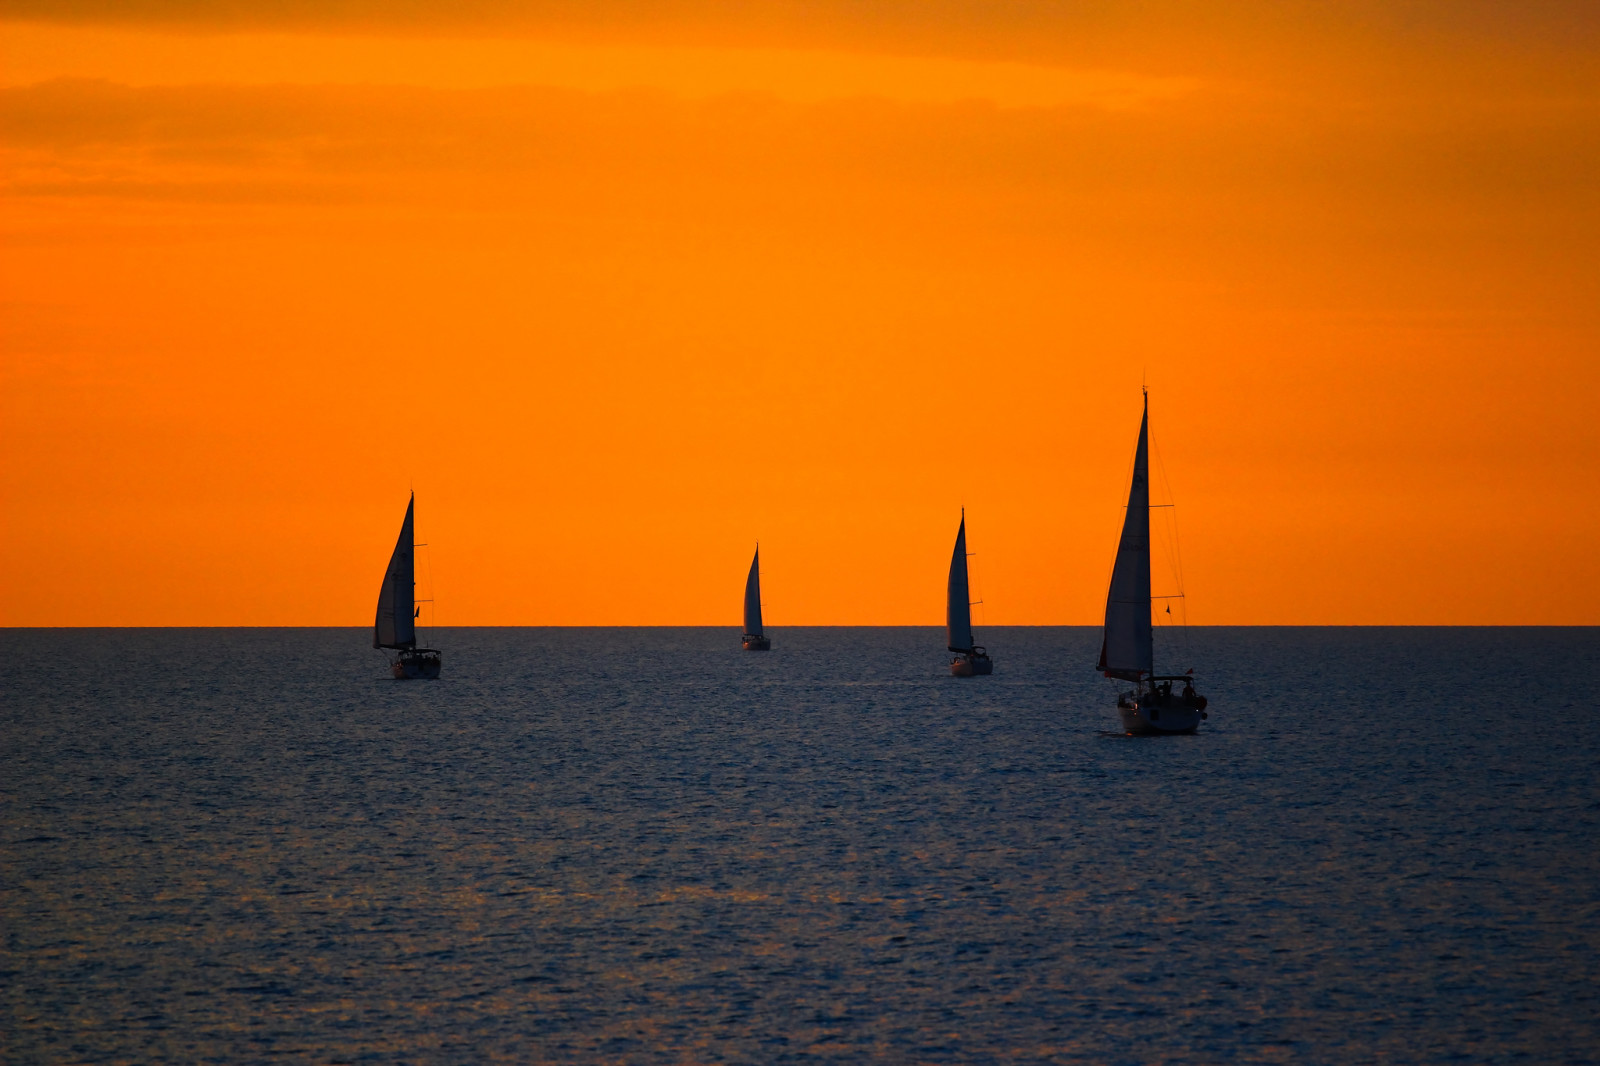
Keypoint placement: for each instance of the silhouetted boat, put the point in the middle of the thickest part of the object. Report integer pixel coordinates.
(1127, 651)
(755, 638)
(396, 625)
(970, 658)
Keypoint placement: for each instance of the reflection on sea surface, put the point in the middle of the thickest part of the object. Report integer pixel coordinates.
(643, 845)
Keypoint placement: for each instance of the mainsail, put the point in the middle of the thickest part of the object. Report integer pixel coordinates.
(752, 598)
(958, 610)
(396, 625)
(1126, 652)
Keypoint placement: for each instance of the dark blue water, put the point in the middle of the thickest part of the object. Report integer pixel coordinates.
(649, 846)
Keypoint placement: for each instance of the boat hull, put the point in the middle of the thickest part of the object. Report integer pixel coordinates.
(971, 666)
(757, 644)
(421, 665)
(1153, 714)
(1151, 721)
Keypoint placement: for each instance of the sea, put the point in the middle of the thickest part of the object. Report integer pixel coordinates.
(648, 846)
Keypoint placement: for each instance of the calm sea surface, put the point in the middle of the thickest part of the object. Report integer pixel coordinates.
(629, 845)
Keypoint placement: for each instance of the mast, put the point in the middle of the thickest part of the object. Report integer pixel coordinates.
(1127, 651)
(958, 606)
(395, 626)
(752, 597)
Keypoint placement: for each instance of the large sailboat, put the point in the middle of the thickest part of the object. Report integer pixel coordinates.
(970, 658)
(755, 638)
(1127, 652)
(396, 625)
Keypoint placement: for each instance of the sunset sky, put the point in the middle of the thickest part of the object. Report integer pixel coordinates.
(619, 289)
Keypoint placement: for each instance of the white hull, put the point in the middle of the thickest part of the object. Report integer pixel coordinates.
(1145, 721)
(420, 665)
(976, 665)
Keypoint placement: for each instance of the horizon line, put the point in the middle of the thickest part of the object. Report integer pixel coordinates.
(892, 625)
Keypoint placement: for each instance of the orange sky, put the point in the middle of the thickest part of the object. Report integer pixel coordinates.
(619, 295)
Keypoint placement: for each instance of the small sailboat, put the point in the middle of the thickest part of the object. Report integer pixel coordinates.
(970, 659)
(1127, 651)
(755, 638)
(396, 625)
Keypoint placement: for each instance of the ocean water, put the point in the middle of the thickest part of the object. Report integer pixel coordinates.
(644, 845)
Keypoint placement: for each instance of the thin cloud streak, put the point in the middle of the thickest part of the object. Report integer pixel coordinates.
(40, 53)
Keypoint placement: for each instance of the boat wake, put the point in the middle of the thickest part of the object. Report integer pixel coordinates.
(1117, 734)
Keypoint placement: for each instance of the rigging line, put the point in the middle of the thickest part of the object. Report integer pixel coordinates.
(1177, 553)
(976, 586)
(1177, 560)
(1169, 543)
(1177, 550)
(1166, 482)
(1174, 546)
(432, 622)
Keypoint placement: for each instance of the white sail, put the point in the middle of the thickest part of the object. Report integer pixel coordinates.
(396, 626)
(1126, 651)
(958, 609)
(752, 598)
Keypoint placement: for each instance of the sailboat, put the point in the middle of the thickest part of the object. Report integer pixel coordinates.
(396, 625)
(1127, 651)
(755, 638)
(970, 659)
